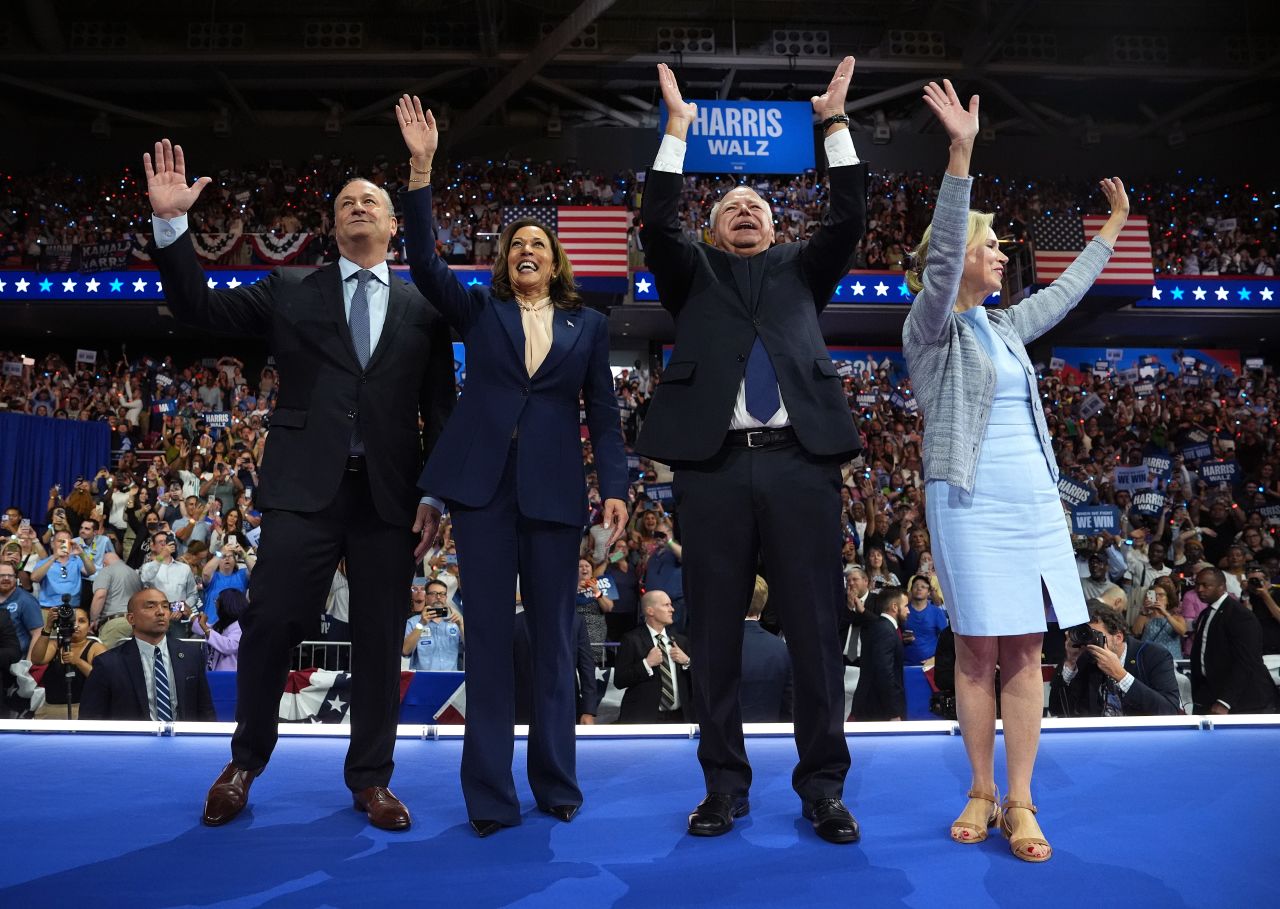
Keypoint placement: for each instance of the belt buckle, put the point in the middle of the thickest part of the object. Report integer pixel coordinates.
(752, 443)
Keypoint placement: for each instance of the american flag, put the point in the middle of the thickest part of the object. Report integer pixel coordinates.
(1060, 237)
(594, 237)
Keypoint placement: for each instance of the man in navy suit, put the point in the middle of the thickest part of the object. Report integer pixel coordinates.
(765, 694)
(1227, 671)
(881, 694)
(125, 682)
(1122, 677)
(752, 417)
(366, 384)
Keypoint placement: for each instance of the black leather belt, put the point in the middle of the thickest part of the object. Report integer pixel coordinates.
(760, 438)
(355, 464)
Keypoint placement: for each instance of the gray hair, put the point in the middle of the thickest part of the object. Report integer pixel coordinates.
(385, 196)
(715, 209)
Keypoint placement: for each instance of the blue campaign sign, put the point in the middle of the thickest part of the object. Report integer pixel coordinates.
(1148, 503)
(1073, 493)
(1131, 478)
(748, 137)
(1197, 451)
(659, 492)
(1213, 472)
(1092, 519)
(1160, 464)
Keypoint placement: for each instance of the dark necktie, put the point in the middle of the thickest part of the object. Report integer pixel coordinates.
(359, 320)
(761, 384)
(668, 676)
(164, 706)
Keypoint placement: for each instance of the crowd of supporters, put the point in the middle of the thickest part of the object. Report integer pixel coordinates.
(1197, 226)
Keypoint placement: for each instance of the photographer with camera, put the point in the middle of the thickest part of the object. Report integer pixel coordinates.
(61, 573)
(69, 654)
(1108, 672)
(1160, 619)
(433, 635)
(229, 569)
(1260, 596)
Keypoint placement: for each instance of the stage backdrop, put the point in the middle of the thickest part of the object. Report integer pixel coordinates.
(37, 452)
(1211, 363)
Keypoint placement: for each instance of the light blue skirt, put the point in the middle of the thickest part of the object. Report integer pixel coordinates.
(996, 551)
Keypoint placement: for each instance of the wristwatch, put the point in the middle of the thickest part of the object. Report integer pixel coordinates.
(832, 120)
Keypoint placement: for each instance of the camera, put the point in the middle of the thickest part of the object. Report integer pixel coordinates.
(1084, 635)
(438, 612)
(1254, 583)
(65, 623)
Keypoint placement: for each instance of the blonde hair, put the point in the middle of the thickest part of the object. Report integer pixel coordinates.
(759, 596)
(979, 223)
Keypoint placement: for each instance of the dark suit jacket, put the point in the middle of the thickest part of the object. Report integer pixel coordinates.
(850, 620)
(584, 666)
(643, 692)
(765, 692)
(722, 301)
(117, 688)
(1234, 671)
(880, 694)
(501, 398)
(323, 391)
(1154, 691)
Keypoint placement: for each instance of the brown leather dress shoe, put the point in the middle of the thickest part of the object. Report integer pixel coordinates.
(385, 810)
(228, 795)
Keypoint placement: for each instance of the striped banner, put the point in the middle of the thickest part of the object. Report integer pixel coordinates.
(1130, 264)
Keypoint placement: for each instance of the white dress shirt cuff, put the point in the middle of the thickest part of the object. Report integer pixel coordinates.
(670, 155)
(647, 667)
(1125, 683)
(1068, 673)
(167, 230)
(433, 502)
(839, 149)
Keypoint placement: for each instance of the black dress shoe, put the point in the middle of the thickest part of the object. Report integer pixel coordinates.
(714, 814)
(564, 813)
(832, 820)
(484, 828)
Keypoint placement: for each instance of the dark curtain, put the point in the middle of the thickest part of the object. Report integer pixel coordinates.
(37, 452)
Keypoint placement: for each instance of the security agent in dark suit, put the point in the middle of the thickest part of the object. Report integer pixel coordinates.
(881, 694)
(1121, 677)
(510, 466)
(652, 668)
(125, 682)
(765, 694)
(751, 414)
(1227, 672)
(362, 358)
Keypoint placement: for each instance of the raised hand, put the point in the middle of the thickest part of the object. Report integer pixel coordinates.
(960, 123)
(677, 108)
(1118, 199)
(418, 128)
(831, 102)
(167, 186)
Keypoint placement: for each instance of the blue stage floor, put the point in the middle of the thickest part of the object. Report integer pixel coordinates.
(1166, 818)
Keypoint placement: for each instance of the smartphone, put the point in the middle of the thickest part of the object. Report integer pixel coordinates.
(24, 524)
(212, 499)
(178, 606)
(451, 558)
(438, 612)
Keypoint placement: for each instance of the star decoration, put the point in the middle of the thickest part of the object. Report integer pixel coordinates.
(1266, 293)
(116, 284)
(3, 285)
(473, 282)
(858, 288)
(212, 284)
(1177, 293)
(45, 285)
(1155, 292)
(903, 290)
(337, 703)
(68, 285)
(92, 285)
(643, 285)
(882, 289)
(839, 287)
(1198, 293)
(233, 283)
(139, 286)
(22, 285)
(1245, 293)
(159, 287)
(1221, 292)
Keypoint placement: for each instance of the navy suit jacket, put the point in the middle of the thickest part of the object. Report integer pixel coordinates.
(501, 399)
(1154, 691)
(1236, 674)
(881, 694)
(765, 692)
(117, 688)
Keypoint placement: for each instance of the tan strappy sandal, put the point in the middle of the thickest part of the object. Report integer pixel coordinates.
(975, 833)
(1019, 845)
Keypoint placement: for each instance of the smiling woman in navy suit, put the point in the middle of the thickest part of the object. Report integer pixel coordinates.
(509, 465)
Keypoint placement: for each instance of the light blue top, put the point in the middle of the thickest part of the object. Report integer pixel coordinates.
(438, 647)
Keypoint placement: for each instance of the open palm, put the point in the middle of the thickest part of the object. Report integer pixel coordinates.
(677, 107)
(960, 123)
(417, 127)
(167, 186)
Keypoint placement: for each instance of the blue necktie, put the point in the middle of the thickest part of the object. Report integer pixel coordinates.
(761, 384)
(164, 706)
(359, 320)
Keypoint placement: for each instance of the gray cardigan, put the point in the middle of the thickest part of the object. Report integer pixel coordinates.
(952, 376)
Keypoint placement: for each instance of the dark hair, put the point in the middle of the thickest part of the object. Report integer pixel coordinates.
(878, 601)
(437, 583)
(1111, 620)
(231, 605)
(919, 577)
(563, 290)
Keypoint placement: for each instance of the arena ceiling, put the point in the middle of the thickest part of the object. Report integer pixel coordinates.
(1082, 70)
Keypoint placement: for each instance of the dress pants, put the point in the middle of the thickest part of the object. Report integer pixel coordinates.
(287, 592)
(782, 504)
(495, 543)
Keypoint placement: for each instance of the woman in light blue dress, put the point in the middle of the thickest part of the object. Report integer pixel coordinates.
(1000, 543)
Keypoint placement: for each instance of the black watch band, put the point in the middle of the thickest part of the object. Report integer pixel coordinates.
(830, 121)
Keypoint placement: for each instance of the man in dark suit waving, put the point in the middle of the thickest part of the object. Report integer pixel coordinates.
(1122, 676)
(752, 416)
(362, 358)
(652, 667)
(151, 676)
(1227, 672)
